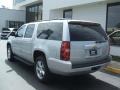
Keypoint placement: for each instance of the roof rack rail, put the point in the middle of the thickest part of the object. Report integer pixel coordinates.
(42, 20)
(61, 19)
(54, 19)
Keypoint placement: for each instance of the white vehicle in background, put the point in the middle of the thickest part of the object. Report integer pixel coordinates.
(64, 47)
(6, 32)
(115, 37)
(12, 32)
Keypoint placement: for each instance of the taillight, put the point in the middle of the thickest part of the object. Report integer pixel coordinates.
(65, 51)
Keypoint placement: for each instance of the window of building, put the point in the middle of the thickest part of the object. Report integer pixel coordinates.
(34, 13)
(51, 31)
(113, 22)
(14, 24)
(67, 13)
(18, 1)
(113, 17)
(29, 31)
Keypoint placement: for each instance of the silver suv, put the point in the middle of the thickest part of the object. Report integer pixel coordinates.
(64, 47)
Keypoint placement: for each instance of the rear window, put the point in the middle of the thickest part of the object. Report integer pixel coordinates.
(86, 32)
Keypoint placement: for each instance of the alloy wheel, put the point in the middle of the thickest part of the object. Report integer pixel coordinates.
(40, 69)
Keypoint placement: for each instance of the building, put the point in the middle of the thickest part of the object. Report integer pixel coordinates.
(10, 18)
(105, 12)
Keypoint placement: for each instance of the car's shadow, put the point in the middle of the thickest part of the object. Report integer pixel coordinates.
(87, 82)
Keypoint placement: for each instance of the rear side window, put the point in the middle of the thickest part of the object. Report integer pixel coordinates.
(50, 31)
(86, 32)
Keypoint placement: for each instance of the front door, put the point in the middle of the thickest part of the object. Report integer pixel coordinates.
(17, 41)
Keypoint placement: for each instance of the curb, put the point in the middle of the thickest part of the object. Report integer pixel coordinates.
(113, 70)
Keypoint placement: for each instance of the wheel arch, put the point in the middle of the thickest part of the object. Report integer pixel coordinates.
(38, 53)
(8, 44)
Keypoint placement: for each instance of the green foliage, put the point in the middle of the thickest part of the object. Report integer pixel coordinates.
(116, 58)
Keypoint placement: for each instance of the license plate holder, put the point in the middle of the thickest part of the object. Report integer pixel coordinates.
(93, 52)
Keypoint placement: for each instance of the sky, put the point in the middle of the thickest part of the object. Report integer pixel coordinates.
(6, 3)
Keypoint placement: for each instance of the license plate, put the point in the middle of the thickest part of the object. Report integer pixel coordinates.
(93, 52)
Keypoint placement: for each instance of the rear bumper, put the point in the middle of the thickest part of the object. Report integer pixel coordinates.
(66, 68)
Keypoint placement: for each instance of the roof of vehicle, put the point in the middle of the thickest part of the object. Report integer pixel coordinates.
(64, 20)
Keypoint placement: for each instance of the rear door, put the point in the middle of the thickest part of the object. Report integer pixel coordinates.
(88, 42)
(49, 37)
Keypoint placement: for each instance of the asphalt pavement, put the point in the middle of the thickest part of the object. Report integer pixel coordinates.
(18, 76)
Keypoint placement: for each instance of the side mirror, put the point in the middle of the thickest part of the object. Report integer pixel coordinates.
(16, 35)
(12, 34)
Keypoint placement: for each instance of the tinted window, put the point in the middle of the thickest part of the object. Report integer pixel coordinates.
(113, 17)
(86, 32)
(29, 31)
(51, 31)
(41, 31)
(14, 24)
(34, 12)
(67, 13)
(116, 34)
(20, 31)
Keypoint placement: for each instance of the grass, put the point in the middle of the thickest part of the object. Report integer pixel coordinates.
(116, 58)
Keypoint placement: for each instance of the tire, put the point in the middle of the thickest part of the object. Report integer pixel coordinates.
(10, 55)
(41, 69)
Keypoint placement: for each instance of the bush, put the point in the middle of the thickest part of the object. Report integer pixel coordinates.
(116, 58)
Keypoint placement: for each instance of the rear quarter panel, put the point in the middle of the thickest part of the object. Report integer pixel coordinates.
(50, 48)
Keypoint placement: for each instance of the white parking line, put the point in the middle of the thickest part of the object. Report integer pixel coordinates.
(111, 79)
